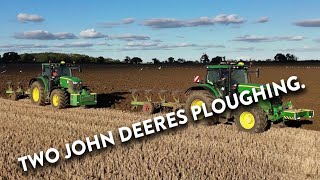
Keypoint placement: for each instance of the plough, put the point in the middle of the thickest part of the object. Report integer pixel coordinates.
(149, 106)
(18, 92)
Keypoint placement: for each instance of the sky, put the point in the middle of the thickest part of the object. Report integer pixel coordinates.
(237, 29)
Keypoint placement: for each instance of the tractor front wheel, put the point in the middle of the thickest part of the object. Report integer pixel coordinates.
(251, 119)
(37, 94)
(197, 98)
(58, 99)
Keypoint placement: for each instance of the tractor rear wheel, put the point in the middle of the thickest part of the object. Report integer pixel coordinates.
(37, 94)
(251, 119)
(58, 99)
(197, 98)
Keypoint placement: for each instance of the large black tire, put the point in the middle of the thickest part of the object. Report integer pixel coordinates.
(207, 99)
(244, 121)
(40, 99)
(61, 101)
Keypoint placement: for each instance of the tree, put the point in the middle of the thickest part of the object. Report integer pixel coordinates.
(181, 60)
(170, 60)
(204, 59)
(216, 59)
(27, 57)
(10, 57)
(100, 60)
(136, 60)
(127, 59)
(291, 57)
(280, 58)
(155, 61)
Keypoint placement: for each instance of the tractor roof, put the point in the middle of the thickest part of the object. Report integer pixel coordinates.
(239, 65)
(227, 67)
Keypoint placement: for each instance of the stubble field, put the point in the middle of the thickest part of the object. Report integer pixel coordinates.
(185, 153)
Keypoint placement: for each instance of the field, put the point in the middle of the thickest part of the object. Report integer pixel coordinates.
(114, 83)
(187, 152)
(202, 152)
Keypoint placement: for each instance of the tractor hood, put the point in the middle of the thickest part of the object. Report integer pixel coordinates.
(248, 87)
(71, 78)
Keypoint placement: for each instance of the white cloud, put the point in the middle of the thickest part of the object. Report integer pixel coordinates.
(74, 44)
(128, 21)
(130, 37)
(23, 17)
(255, 38)
(308, 23)
(159, 23)
(131, 46)
(91, 34)
(263, 19)
(44, 35)
(122, 22)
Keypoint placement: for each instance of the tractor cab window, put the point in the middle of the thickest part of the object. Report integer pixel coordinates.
(46, 71)
(213, 75)
(61, 70)
(239, 76)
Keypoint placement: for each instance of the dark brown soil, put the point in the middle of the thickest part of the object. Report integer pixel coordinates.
(114, 83)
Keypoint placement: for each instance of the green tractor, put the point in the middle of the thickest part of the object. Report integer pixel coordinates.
(226, 79)
(56, 86)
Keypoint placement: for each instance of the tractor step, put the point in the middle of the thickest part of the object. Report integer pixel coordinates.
(297, 114)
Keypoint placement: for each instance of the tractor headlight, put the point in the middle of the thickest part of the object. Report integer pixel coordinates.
(74, 82)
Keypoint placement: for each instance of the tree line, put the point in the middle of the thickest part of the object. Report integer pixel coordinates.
(14, 57)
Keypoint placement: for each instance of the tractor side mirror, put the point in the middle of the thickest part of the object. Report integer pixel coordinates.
(257, 72)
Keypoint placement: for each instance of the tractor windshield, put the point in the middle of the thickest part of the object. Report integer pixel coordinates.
(239, 76)
(62, 70)
(65, 71)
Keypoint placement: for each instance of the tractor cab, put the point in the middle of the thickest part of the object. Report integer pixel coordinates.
(227, 77)
(58, 69)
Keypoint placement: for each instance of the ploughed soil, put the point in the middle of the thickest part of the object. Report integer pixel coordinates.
(114, 83)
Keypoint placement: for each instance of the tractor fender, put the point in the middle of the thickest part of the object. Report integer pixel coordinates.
(204, 87)
(34, 80)
(41, 81)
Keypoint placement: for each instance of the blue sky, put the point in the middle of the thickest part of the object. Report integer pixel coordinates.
(159, 29)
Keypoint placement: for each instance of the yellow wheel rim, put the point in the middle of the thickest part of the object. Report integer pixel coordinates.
(198, 102)
(36, 94)
(247, 120)
(55, 100)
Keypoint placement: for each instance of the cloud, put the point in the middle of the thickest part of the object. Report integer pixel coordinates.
(122, 22)
(23, 17)
(308, 23)
(74, 44)
(132, 46)
(128, 21)
(142, 44)
(130, 37)
(23, 46)
(161, 23)
(263, 19)
(317, 40)
(255, 39)
(91, 34)
(251, 38)
(300, 49)
(44, 35)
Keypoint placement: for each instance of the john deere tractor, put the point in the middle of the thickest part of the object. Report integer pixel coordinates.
(56, 86)
(226, 79)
